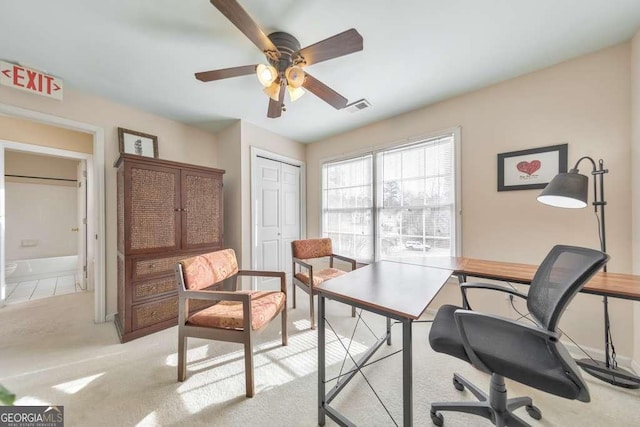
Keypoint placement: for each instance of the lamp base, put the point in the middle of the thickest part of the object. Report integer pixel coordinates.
(616, 376)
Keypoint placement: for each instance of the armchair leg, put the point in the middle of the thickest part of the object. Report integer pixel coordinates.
(182, 356)
(294, 294)
(248, 366)
(353, 311)
(283, 316)
(312, 316)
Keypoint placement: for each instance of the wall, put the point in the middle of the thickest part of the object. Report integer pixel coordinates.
(20, 130)
(584, 102)
(176, 141)
(635, 179)
(229, 158)
(42, 211)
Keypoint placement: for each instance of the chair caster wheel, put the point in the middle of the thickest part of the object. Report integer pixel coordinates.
(457, 384)
(437, 419)
(534, 412)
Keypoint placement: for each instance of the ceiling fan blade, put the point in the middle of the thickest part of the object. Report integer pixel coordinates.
(275, 107)
(324, 92)
(339, 45)
(241, 19)
(207, 76)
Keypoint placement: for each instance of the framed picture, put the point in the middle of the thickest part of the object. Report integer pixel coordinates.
(531, 169)
(142, 144)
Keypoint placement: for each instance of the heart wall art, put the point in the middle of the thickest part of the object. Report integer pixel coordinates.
(531, 169)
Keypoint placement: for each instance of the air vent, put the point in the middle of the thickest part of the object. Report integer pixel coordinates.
(357, 106)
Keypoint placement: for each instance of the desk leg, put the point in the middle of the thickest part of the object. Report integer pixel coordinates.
(388, 331)
(321, 361)
(407, 374)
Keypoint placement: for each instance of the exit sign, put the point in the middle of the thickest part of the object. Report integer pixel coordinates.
(30, 80)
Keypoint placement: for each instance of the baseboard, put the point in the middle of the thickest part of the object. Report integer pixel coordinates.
(109, 317)
(635, 367)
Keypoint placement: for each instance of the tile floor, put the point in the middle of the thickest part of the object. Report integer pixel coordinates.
(42, 288)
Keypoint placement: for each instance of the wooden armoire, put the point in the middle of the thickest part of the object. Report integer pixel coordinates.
(167, 211)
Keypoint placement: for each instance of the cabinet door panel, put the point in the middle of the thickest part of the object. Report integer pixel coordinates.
(202, 209)
(152, 208)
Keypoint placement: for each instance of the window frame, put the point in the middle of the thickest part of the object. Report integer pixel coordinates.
(373, 151)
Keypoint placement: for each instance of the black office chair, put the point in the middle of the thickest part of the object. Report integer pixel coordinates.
(529, 354)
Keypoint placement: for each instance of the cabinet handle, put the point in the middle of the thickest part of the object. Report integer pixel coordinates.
(152, 266)
(177, 209)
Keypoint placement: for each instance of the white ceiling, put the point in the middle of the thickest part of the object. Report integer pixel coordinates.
(416, 52)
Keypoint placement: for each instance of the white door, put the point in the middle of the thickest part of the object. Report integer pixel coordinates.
(278, 216)
(81, 274)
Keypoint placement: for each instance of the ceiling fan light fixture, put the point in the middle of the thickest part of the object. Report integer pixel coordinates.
(295, 76)
(272, 91)
(295, 92)
(267, 74)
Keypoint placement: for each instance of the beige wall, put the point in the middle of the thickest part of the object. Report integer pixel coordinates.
(19, 130)
(229, 149)
(176, 141)
(584, 102)
(635, 180)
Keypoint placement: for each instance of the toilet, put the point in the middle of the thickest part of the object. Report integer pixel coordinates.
(9, 268)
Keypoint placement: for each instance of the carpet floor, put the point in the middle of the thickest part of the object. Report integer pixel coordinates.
(51, 352)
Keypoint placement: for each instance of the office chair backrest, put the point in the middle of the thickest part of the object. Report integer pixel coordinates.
(562, 274)
(208, 269)
(311, 248)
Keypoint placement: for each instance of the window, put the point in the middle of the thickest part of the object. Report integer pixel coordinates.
(413, 211)
(347, 200)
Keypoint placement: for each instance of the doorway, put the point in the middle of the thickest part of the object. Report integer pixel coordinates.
(95, 198)
(45, 215)
(277, 201)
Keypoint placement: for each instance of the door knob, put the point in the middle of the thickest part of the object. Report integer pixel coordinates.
(75, 229)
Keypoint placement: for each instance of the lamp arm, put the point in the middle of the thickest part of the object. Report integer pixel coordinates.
(593, 163)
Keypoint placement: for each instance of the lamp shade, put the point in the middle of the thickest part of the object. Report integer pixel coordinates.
(266, 74)
(566, 190)
(295, 76)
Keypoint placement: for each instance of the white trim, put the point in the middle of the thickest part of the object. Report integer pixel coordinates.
(255, 152)
(98, 171)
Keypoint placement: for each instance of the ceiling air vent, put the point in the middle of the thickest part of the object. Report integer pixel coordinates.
(360, 105)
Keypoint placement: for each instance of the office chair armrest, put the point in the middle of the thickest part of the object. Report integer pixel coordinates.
(463, 316)
(302, 263)
(280, 274)
(216, 295)
(346, 259)
(489, 286)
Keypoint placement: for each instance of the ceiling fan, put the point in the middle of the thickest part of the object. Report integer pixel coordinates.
(286, 60)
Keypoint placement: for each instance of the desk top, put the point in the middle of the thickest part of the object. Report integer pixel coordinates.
(395, 288)
(618, 285)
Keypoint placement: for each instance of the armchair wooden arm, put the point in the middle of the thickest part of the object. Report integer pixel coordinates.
(280, 274)
(343, 258)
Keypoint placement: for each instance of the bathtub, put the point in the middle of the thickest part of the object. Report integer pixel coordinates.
(42, 268)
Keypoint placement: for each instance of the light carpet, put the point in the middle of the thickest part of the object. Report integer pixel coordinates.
(51, 352)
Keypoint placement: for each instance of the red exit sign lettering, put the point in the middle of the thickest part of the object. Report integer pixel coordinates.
(27, 79)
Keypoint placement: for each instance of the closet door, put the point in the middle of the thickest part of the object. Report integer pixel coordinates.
(201, 209)
(151, 209)
(278, 213)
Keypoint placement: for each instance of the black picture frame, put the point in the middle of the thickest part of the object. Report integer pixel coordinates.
(133, 142)
(531, 169)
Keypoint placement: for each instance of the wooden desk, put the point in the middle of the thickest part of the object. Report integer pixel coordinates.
(396, 290)
(606, 284)
(616, 285)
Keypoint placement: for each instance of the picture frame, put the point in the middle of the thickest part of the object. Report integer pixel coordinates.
(141, 144)
(531, 169)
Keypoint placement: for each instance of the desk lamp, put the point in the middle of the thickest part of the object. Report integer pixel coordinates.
(570, 190)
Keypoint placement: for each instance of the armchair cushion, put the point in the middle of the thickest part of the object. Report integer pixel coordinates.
(205, 270)
(320, 276)
(265, 305)
(518, 357)
(311, 248)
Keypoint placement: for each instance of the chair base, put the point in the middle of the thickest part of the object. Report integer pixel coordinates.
(495, 406)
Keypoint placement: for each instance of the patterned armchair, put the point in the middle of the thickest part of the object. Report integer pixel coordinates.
(236, 315)
(307, 279)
